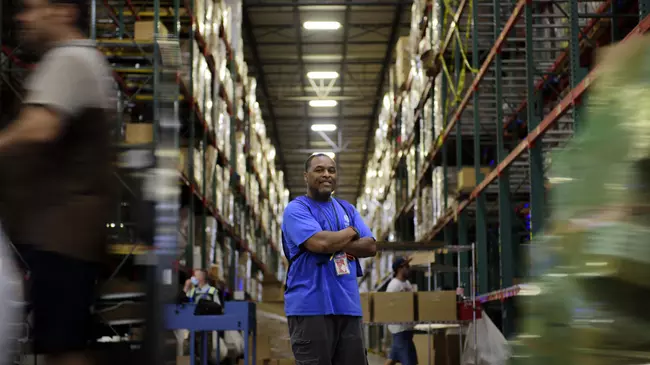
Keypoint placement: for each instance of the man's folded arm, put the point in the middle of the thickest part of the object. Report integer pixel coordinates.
(366, 245)
(330, 242)
(363, 247)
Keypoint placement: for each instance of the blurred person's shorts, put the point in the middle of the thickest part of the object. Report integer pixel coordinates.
(60, 291)
(403, 348)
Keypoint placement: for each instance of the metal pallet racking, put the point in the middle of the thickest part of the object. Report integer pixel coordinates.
(529, 74)
(211, 84)
(199, 127)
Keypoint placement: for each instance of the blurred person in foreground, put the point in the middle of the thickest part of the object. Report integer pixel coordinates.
(57, 174)
(323, 237)
(403, 349)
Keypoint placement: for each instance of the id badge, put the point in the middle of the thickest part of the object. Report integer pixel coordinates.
(341, 264)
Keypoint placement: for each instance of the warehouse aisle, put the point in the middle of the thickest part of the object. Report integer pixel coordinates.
(375, 360)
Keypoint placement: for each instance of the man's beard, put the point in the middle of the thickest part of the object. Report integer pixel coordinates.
(321, 195)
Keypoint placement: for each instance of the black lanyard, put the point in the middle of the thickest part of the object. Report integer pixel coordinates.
(336, 215)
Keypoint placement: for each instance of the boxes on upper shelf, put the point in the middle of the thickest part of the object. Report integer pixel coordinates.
(403, 55)
(467, 178)
(437, 306)
(138, 133)
(393, 307)
(144, 30)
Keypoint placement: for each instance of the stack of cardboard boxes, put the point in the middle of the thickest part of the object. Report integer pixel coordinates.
(438, 306)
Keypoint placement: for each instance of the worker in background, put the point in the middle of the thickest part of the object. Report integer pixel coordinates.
(323, 237)
(57, 177)
(403, 349)
(197, 287)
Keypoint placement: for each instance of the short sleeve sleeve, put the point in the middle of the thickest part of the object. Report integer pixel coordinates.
(298, 225)
(394, 286)
(60, 82)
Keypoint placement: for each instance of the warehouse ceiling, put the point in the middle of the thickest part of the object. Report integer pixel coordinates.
(281, 50)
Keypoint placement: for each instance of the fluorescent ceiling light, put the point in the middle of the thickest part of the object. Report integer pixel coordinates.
(331, 155)
(323, 75)
(313, 25)
(320, 103)
(323, 127)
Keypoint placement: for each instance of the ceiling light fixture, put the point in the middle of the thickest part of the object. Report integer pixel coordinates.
(331, 155)
(315, 25)
(320, 103)
(323, 75)
(323, 127)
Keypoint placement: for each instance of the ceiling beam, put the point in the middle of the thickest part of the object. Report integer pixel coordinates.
(348, 117)
(323, 43)
(380, 90)
(265, 4)
(261, 79)
(363, 26)
(294, 61)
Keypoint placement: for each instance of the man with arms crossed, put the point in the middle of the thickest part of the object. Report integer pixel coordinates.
(57, 175)
(323, 237)
(403, 349)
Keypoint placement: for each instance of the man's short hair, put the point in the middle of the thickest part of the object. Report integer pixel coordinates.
(83, 13)
(308, 162)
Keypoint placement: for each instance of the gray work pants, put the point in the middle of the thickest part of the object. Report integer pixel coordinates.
(327, 340)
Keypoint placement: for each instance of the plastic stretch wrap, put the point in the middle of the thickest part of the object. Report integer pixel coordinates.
(592, 263)
(484, 344)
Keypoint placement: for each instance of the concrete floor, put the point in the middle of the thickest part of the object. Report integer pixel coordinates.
(375, 360)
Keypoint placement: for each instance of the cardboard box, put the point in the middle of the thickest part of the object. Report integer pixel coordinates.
(272, 292)
(138, 133)
(421, 342)
(393, 307)
(183, 162)
(402, 61)
(437, 306)
(467, 178)
(445, 349)
(144, 30)
(366, 306)
(453, 346)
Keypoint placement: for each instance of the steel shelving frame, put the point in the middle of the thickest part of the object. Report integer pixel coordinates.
(529, 66)
(122, 15)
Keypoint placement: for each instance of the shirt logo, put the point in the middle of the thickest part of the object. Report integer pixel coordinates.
(346, 220)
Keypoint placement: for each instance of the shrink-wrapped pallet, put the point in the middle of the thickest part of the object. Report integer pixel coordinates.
(592, 262)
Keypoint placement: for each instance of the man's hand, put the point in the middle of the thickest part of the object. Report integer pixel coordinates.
(330, 242)
(363, 247)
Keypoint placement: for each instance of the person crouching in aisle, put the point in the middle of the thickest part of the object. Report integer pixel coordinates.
(403, 349)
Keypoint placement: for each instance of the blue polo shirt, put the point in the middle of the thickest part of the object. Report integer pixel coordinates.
(313, 287)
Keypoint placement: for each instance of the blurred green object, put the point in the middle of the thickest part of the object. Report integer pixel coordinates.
(592, 262)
